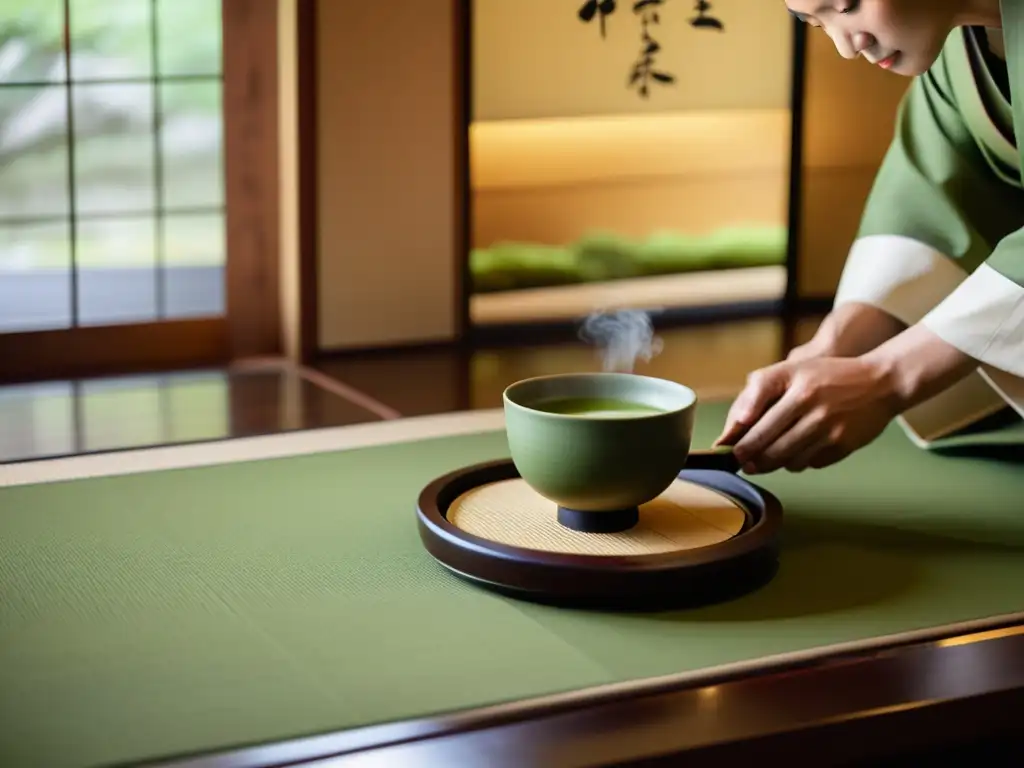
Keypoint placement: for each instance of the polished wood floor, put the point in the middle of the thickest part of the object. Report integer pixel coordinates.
(63, 418)
(70, 417)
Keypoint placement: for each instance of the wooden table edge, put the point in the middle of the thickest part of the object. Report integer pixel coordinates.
(856, 700)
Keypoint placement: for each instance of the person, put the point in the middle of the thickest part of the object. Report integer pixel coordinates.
(931, 292)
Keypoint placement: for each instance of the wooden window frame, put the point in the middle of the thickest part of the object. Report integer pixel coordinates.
(251, 324)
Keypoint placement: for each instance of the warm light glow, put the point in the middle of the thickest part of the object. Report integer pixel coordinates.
(515, 154)
(978, 637)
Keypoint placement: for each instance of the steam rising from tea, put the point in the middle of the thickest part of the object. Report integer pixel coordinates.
(622, 338)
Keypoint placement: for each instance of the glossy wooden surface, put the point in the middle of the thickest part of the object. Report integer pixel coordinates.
(73, 417)
(714, 359)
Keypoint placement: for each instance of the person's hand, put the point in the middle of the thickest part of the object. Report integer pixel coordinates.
(808, 413)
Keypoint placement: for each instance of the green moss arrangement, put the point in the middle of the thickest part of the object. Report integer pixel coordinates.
(602, 256)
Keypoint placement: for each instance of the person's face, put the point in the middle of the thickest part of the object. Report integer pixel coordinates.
(902, 36)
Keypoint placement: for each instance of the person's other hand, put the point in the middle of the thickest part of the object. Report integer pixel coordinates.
(807, 351)
(808, 413)
(849, 330)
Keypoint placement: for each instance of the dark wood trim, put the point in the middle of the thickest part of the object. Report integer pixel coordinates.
(251, 158)
(307, 48)
(111, 350)
(377, 352)
(547, 332)
(463, 97)
(801, 308)
(843, 708)
(798, 90)
(813, 305)
(554, 332)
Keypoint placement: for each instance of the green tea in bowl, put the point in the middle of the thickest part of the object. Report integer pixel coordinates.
(595, 407)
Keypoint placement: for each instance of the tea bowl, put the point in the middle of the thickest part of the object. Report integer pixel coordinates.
(601, 442)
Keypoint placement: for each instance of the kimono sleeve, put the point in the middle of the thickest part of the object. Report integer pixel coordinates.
(939, 241)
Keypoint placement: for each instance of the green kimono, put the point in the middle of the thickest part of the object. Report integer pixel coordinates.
(942, 237)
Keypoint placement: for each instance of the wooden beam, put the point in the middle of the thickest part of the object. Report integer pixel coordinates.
(306, 44)
(110, 350)
(250, 99)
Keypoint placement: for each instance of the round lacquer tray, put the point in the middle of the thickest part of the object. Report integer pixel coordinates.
(711, 536)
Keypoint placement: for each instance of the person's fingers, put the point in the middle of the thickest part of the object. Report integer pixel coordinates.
(778, 420)
(734, 430)
(764, 387)
(807, 431)
(831, 454)
(824, 453)
(804, 457)
(736, 421)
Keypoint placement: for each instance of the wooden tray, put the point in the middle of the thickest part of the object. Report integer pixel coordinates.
(712, 536)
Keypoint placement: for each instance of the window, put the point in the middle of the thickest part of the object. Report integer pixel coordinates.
(138, 185)
(111, 162)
